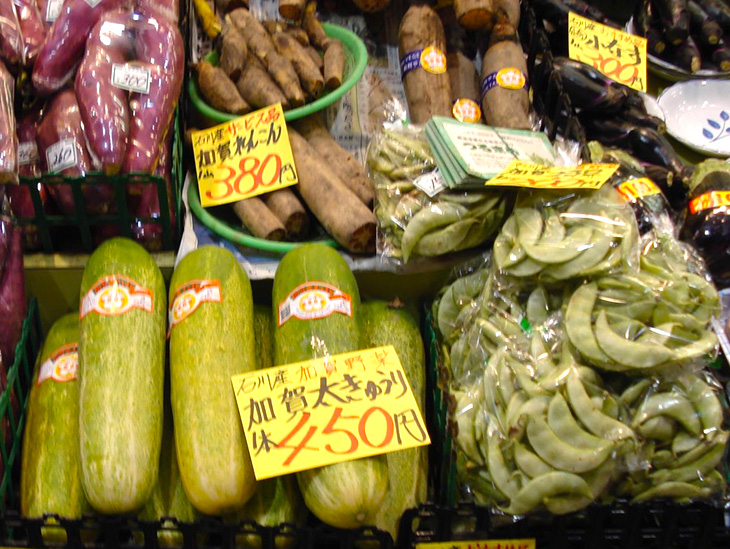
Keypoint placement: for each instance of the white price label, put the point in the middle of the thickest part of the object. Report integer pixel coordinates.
(131, 77)
(61, 155)
(28, 153)
(53, 10)
(430, 183)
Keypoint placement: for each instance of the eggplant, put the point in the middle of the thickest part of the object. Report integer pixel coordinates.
(650, 146)
(556, 11)
(587, 94)
(673, 187)
(674, 18)
(719, 11)
(686, 56)
(641, 118)
(705, 30)
(719, 56)
(12, 293)
(644, 26)
(607, 131)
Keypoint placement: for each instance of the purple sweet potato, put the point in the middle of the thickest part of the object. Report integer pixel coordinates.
(4, 244)
(170, 9)
(12, 294)
(104, 105)
(8, 139)
(63, 46)
(11, 41)
(159, 47)
(62, 148)
(31, 28)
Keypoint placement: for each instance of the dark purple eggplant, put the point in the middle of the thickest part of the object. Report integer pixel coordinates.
(719, 11)
(686, 56)
(643, 26)
(673, 187)
(12, 294)
(719, 56)
(650, 146)
(556, 11)
(587, 94)
(674, 18)
(705, 30)
(607, 131)
(641, 118)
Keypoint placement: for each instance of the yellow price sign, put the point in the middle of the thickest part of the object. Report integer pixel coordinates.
(481, 544)
(619, 55)
(535, 176)
(245, 157)
(327, 410)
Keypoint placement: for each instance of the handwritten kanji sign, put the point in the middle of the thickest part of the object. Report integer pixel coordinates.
(327, 410)
(245, 157)
(535, 176)
(617, 54)
(480, 544)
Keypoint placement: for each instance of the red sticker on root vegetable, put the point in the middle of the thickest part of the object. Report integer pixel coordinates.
(313, 300)
(61, 366)
(190, 296)
(708, 201)
(116, 295)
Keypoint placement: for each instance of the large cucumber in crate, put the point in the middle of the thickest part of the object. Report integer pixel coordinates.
(346, 494)
(50, 474)
(122, 359)
(211, 339)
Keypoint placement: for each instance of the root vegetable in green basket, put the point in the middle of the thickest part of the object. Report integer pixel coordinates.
(474, 14)
(298, 34)
(286, 207)
(257, 88)
(428, 90)
(309, 75)
(315, 56)
(505, 101)
(219, 90)
(292, 9)
(341, 162)
(262, 46)
(340, 211)
(334, 64)
(233, 51)
(258, 219)
(312, 26)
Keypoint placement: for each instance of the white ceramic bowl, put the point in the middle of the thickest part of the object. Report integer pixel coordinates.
(697, 113)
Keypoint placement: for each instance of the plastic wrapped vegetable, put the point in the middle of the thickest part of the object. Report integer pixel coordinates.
(160, 52)
(64, 44)
(62, 148)
(12, 290)
(8, 139)
(103, 101)
(412, 222)
(11, 40)
(32, 29)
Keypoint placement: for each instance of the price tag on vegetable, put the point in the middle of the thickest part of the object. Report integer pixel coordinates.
(327, 410)
(617, 54)
(535, 176)
(481, 544)
(245, 157)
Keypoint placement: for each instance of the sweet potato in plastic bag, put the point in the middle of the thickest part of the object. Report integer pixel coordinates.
(169, 9)
(102, 103)
(32, 29)
(64, 44)
(159, 50)
(12, 292)
(62, 148)
(11, 41)
(8, 138)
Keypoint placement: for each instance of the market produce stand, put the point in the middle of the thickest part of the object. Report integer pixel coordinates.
(556, 340)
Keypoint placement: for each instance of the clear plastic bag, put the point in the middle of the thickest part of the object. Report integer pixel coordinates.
(8, 138)
(417, 216)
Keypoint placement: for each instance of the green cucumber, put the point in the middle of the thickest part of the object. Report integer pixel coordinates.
(168, 498)
(121, 373)
(50, 474)
(346, 494)
(207, 347)
(389, 324)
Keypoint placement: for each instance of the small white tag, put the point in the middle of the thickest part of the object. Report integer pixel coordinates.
(430, 183)
(28, 153)
(131, 77)
(61, 155)
(53, 10)
(93, 3)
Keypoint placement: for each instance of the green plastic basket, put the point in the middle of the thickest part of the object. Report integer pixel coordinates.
(356, 60)
(237, 235)
(13, 404)
(74, 233)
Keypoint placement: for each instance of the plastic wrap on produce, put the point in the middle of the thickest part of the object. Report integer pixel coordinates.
(417, 216)
(570, 391)
(8, 138)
